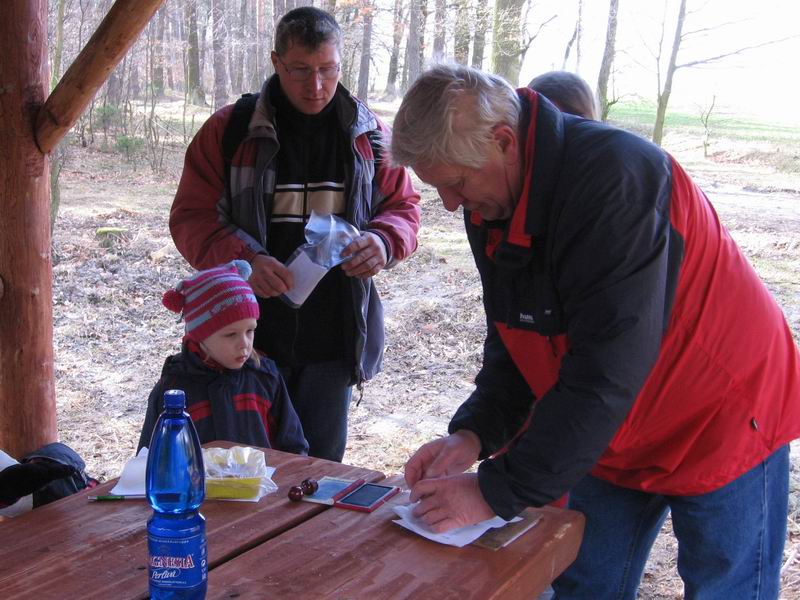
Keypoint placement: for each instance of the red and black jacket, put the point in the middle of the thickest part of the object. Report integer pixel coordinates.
(627, 335)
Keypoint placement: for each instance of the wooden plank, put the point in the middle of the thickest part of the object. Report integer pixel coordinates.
(347, 554)
(27, 392)
(74, 548)
(112, 39)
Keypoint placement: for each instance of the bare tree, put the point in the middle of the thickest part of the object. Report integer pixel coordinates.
(366, 50)
(482, 21)
(705, 119)
(414, 45)
(507, 39)
(439, 29)
(157, 54)
(461, 33)
(194, 86)
(218, 39)
(59, 45)
(236, 52)
(511, 40)
(608, 60)
(672, 66)
(398, 29)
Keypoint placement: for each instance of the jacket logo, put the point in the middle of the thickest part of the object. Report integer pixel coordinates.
(526, 318)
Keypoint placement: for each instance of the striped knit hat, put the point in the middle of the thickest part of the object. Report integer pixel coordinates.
(213, 299)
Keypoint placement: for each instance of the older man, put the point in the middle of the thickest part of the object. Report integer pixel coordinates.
(633, 358)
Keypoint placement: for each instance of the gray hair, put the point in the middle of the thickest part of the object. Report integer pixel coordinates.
(307, 26)
(448, 114)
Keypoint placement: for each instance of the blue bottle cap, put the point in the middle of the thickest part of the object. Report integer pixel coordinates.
(174, 399)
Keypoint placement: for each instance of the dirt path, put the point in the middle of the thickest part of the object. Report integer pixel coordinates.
(112, 334)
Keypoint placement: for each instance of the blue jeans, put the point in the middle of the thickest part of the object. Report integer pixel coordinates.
(730, 541)
(321, 395)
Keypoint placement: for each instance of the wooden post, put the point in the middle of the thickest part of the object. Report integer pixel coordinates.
(27, 393)
(114, 36)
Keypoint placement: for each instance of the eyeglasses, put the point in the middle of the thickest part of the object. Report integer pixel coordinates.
(304, 73)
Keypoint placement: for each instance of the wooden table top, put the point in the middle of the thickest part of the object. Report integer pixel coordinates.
(74, 548)
(349, 554)
(275, 548)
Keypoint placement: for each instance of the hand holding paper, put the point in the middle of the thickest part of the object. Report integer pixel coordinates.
(455, 537)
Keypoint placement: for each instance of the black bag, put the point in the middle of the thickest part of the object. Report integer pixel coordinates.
(52, 472)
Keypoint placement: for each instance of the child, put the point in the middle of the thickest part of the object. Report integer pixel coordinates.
(232, 393)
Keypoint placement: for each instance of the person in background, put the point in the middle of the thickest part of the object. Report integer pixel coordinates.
(232, 393)
(308, 144)
(568, 91)
(663, 373)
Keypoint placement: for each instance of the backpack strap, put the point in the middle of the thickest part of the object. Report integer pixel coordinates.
(236, 131)
(377, 143)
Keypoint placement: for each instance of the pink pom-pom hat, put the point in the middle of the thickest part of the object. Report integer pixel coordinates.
(213, 299)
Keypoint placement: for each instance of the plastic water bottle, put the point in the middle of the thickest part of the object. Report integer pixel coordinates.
(175, 483)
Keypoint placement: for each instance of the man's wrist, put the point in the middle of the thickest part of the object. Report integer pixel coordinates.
(386, 244)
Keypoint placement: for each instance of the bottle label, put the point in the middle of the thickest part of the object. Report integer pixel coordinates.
(177, 562)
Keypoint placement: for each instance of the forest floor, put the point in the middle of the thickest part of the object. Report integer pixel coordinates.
(112, 334)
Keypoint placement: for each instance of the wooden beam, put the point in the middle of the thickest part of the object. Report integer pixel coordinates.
(27, 393)
(114, 36)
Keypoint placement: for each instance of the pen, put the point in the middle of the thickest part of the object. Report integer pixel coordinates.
(114, 497)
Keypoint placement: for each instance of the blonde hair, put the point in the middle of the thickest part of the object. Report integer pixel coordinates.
(448, 114)
(568, 91)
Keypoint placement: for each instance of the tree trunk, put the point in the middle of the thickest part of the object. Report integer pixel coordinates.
(218, 46)
(366, 53)
(423, 23)
(254, 77)
(481, 28)
(281, 9)
(663, 95)
(264, 40)
(397, 38)
(569, 48)
(59, 45)
(194, 86)
(507, 46)
(27, 391)
(439, 30)
(461, 33)
(157, 59)
(414, 45)
(608, 60)
(236, 54)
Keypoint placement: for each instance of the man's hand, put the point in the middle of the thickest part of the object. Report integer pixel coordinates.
(369, 256)
(446, 456)
(450, 502)
(270, 277)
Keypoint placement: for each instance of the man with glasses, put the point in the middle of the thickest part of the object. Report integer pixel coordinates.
(307, 145)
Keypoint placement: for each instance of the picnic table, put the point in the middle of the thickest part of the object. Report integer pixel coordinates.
(276, 548)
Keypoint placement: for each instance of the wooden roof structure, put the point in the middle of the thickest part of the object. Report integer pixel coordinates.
(31, 125)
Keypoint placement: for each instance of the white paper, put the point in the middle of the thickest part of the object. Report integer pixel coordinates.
(306, 277)
(131, 482)
(455, 537)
